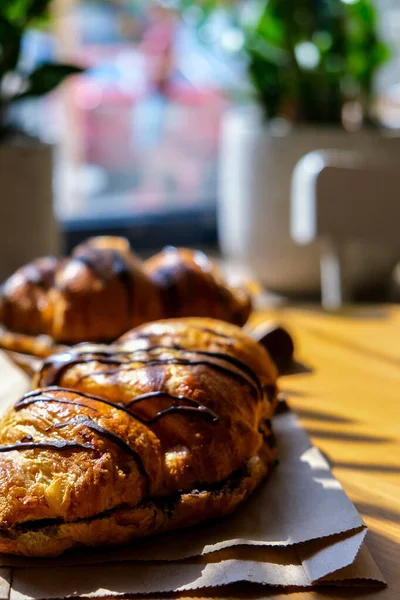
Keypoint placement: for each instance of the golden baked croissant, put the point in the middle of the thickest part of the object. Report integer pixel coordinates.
(166, 428)
(103, 290)
(192, 286)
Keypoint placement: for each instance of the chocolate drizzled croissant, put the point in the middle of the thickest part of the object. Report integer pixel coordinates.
(103, 290)
(166, 428)
(191, 285)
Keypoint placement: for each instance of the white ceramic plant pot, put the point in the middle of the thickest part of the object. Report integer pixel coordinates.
(27, 224)
(256, 165)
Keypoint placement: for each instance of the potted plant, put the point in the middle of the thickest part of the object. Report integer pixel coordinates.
(312, 65)
(27, 225)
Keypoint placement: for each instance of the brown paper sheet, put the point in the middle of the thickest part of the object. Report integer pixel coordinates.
(298, 529)
(274, 567)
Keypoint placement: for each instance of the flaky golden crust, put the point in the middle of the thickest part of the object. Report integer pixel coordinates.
(215, 336)
(175, 406)
(125, 524)
(103, 290)
(191, 285)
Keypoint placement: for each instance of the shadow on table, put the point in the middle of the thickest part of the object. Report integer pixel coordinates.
(371, 510)
(346, 437)
(367, 467)
(252, 591)
(314, 415)
(297, 368)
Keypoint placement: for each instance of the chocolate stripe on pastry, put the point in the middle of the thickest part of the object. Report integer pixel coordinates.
(242, 366)
(219, 355)
(109, 435)
(166, 279)
(58, 364)
(55, 445)
(195, 408)
(91, 259)
(125, 276)
(148, 335)
(215, 333)
(175, 361)
(39, 396)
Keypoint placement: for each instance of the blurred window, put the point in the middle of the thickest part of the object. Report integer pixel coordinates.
(137, 134)
(139, 131)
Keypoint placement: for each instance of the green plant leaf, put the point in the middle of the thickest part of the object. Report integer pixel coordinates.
(366, 12)
(270, 53)
(14, 10)
(46, 78)
(323, 40)
(24, 12)
(380, 54)
(358, 63)
(10, 43)
(272, 29)
(38, 9)
(348, 40)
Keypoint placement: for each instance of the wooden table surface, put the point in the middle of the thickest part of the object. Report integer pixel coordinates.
(350, 406)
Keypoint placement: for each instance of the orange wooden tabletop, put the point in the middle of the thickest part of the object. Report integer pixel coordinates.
(350, 406)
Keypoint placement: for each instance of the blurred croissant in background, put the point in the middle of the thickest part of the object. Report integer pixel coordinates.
(103, 289)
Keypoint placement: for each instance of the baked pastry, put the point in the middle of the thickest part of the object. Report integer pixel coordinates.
(103, 290)
(166, 428)
(191, 285)
(26, 311)
(96, 294)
